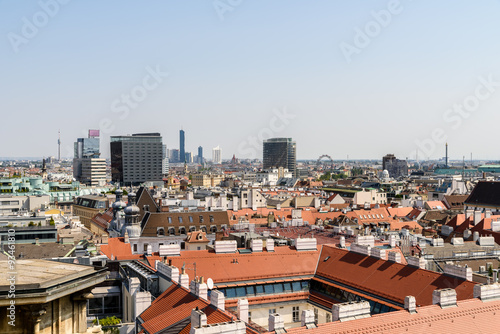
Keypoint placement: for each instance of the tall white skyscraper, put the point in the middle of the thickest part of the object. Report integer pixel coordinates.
(164, 162)
(217, 155)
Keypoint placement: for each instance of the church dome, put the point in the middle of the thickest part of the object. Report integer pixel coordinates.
(132, 208)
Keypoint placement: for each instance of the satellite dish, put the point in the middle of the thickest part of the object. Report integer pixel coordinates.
(210, 284)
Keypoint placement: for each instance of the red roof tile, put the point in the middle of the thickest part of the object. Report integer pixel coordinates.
(392, 281)
(283, 262)
(470, 316)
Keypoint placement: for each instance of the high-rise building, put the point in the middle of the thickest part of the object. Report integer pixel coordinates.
(200, 155)
(188, 157)
(88, 167)
(395, 167)
(182, 148)
(137, 158)
(217, 155)
(280, 152)
(164, 163)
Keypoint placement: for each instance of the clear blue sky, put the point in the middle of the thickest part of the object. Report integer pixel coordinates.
(226, 76)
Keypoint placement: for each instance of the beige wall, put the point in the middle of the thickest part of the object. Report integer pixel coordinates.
(62, 316)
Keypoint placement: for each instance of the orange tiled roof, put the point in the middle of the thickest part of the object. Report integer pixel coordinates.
(283, 262)
(470, 316)
(119, 250)
(392, 281)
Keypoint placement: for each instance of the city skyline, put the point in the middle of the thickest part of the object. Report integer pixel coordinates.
(416, 81)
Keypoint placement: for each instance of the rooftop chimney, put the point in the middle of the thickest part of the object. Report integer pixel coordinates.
(392, 241)
(170, 250)
(361, 249)
(457, 271)
(217, 299)
(411, 304)
(305, 244)
(365, 240)
(270, 245)
(227, 246)
(198, 318)
(477, 217)
(242, 309)
(395, 257)
(342, 241)
(184, 279)
(276, 322)
(378, 253)
(307, 319)
(256, 245)
(487, 292)
(201, 289)
(417, 262)
(171, 272)
(350, 311)
(444, 297)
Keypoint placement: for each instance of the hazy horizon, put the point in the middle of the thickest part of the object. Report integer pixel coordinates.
(340, 78)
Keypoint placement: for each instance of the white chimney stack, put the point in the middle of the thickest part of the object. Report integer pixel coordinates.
(457, 271)
(342, 241)
(395, 257)
(306, 244)
(276, 322)
(270, 245)
(307, 318)
(410, 304)
(217, 299)
(226, 246)
(350, 311)
(378, 253)
(184, 280)
(392, 241)
(198, 318)
(417, 262)
(361, 249)
(242, 309)
(256, 245)
(444, 298)
(477, 217)
(487, 292)
(201, 288)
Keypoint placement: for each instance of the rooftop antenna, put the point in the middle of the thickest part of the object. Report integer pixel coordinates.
(59, 146)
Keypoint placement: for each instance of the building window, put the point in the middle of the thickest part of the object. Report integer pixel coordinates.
(135, 248)
(201, 219)
(296, 314)
(145, 247)
(316, 316)
(169, 220)
(211, 218)
(272, 311)
(190, 219)
(180, 219)
(328, 317)
(249, 316)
